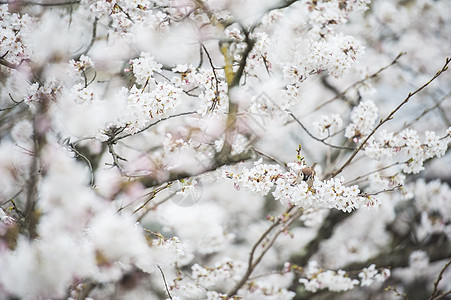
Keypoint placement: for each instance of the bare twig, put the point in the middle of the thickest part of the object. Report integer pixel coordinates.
(165, 283)
(282, 164)
(8, 64)
(216, 163)
(78, 153)
(144, 213)
(375, 171)
(115, 156)
(250, 44)
(396, 292)
(382, 191)
(117, 138)
(390, 116)
(427, 110)
(252, 263)
(16, 103)
(340, 95)
(284, 4)
(12, 198)
(151, 196)
(443, 295)
(216, 100)
(435, 292)
(315, 138)
(93, 36)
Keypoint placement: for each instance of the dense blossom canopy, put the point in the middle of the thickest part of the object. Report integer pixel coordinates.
(225, 149)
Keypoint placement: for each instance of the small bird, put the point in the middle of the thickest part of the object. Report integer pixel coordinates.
(307, 174)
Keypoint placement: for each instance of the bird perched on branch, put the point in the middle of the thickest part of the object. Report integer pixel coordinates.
(307, 174)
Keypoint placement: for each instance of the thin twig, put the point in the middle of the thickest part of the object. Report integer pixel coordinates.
(8, 64)
(152, 195)
(284, 165)
(123, 11)
(216, 100)
(115, 156)
(155, 206)
(314, 137)
(382, 191)
(375, 171)
(153, 124)
(164, 280)
(427, 110)
(435, 291)
(443, 295)
(390, 116)
(359, 82)
(252, 264)
(282, 6)
(72, 146)
(16, 103)
(251, 260)
(12, 198)
(93, 36)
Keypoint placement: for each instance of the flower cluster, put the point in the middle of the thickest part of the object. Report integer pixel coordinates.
(407, 142)
(144, 67)
(339, 281)
(121, 15)
(290, 189)
(326, 126)
(259, 53)
(143, 106)
(379, 181)
(317, 279)
(224, 270)
(51, 89)
(433, 201)
(334, 54)
(14, 29)
(363, 118)
(325, 14)
(324, 194)
(259, 179)
(370, 275)
(266, 289)
(82, 64)
(83, 94)
(5, 218)
(272, 17)
(323, 49)
(418, 261)
(209, 87)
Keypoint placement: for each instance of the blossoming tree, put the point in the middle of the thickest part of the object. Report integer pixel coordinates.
(225, 149)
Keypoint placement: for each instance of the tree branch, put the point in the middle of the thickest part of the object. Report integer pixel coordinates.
(340, 95)
(315, 138)
(435, 292)
(252, 264)
(389, 117)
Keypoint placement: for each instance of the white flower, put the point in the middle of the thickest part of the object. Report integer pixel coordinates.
(327, 125)
(363, 118)
(317, 278)
(144, 67)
